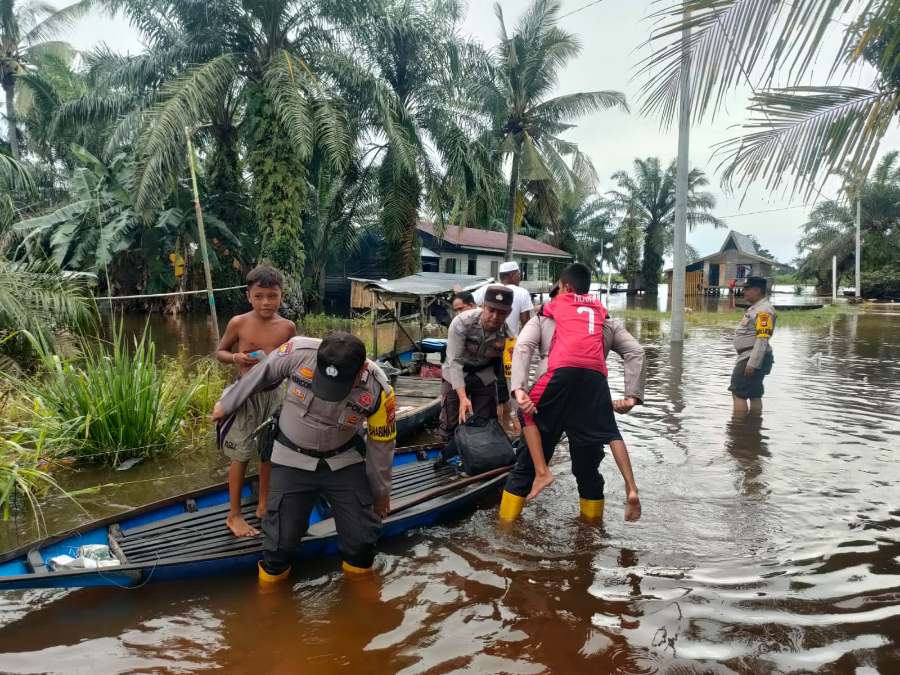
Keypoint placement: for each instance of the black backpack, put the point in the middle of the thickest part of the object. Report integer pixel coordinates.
(483, 446)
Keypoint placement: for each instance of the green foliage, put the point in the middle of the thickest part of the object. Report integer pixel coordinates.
(881, 282)
(109, 404)
(646, 199)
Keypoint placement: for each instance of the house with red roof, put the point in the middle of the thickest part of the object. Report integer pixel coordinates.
(470, 251)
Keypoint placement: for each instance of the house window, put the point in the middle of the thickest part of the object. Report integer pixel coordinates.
(743, 271)
(495, 268)
(523, 267)
(543, 270)
(473, 265)
(450, 265)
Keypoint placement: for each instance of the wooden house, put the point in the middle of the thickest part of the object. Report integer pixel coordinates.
(479, 253)
(728, 267)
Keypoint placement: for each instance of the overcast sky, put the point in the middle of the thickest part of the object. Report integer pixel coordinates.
(611, 33)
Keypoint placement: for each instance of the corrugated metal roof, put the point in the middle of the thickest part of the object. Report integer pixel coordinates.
(743, 243)
(424, 284)
(493, 241)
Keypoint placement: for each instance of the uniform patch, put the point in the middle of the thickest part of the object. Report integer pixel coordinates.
(352, 419)
(366, 400)
(382, 423)
(508, 349)
(286, 348)
(299, 393)
(764, 325)
(307, 373)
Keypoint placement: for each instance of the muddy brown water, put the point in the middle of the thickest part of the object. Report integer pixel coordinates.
(766, 546)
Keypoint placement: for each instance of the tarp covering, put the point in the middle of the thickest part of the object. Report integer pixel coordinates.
(424, 284)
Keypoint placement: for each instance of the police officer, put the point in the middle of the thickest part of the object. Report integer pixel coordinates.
(474, 381)
(336, 438)
(754, 353)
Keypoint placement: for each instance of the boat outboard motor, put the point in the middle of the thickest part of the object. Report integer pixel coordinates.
(482, 446)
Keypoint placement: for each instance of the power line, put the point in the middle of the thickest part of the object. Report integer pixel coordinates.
(756, 213)
(580, 9)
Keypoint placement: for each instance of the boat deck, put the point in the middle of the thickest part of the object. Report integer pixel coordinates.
(203, 533)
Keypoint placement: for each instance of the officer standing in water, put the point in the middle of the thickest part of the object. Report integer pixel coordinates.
(336, 437)
(754, 353)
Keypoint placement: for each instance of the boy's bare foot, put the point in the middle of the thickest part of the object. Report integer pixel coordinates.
(239, 526)
(540, 482)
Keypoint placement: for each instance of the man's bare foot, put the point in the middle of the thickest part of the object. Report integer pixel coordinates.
(540, 482)
(239, 526)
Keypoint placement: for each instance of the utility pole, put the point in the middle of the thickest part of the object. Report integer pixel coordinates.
(858, 237)
(201, 230)
(681, 188)
(834, 280)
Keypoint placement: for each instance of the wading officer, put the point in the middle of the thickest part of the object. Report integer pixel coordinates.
(336, 438)
(754, 353)
(473, 375)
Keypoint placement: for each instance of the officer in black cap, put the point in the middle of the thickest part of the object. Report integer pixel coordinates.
(474, 381)
(336, 437)
(754, 353)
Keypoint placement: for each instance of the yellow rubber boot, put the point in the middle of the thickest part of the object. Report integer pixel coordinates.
(591, 509)
(353, 570)
(266, 578)
(511, 506)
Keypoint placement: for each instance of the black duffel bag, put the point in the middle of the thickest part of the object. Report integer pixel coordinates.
(483, 446)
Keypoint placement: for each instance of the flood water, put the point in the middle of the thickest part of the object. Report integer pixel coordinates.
(767, 545)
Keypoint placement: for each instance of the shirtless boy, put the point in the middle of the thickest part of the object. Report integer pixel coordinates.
(572, 397)
(248, 339)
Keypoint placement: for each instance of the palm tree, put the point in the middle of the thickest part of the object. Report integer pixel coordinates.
(831, 228)
(232, 72)
(25, 29)
(515, 92)
(648, 199)
(801, 128)
(401, 68)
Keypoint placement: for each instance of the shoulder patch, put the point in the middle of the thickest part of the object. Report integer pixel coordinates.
(508, 348)
(764, 325)
(382, 424)
(306, 372)
(286, 348)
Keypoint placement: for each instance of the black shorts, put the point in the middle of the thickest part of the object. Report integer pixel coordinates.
(750, 387)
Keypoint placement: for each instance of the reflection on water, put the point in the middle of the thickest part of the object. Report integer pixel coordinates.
(767, 544)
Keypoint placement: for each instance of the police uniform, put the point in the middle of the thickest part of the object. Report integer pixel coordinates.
(475, 362)
(339, 446)
(751, 342)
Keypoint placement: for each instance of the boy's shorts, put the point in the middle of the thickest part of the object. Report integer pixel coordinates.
(240, 444)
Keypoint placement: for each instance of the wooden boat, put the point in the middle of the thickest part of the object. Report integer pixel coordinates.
(418, 403)
(185, 536)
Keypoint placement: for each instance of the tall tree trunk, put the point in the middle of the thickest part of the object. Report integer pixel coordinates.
(279, 193)
(511, 205)
(652, 264)
(9, 91)
(401, 195)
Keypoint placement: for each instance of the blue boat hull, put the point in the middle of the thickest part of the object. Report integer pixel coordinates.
(175, 526)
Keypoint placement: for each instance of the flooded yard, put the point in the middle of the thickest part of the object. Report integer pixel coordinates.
(767, 545)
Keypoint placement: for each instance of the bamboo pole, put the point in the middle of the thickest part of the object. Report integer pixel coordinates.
(681, 189)
(202, 235)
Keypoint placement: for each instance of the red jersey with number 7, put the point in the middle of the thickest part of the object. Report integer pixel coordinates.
(578, 338)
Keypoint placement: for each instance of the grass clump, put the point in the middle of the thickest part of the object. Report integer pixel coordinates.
(109, 404)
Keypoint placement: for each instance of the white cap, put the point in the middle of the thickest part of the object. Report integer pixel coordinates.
(507, 267)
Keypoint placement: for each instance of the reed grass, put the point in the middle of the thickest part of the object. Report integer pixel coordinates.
(111, 403)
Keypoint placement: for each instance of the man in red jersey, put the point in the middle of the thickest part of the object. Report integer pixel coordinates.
(572, 397)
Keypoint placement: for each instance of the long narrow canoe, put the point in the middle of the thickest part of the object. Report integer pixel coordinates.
(185, 536)
(418, 403)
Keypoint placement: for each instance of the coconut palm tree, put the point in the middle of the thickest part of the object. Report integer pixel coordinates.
(647, 198)
(400, 65)
(515, 87)
(800, 128)
(26, 30)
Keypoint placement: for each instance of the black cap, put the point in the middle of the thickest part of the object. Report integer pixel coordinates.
(554, 291)
(338, 360)
(756, 282)
(498, 297)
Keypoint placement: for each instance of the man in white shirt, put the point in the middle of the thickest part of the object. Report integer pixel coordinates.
(510, 276)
